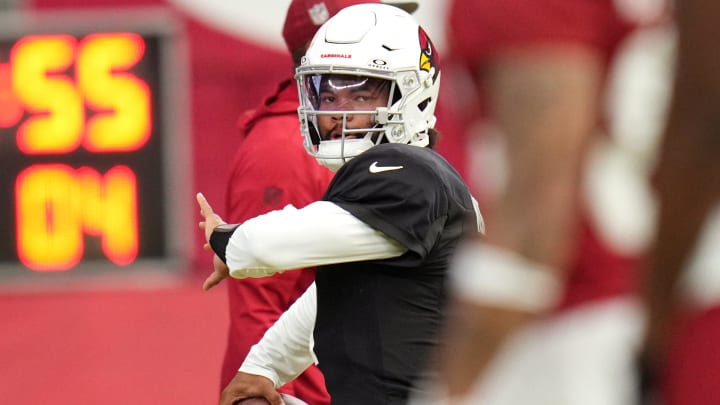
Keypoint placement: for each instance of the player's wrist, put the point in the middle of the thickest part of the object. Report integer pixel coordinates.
(487, 274)
(220, 238)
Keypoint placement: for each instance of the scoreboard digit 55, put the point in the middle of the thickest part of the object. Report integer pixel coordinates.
(91, 142)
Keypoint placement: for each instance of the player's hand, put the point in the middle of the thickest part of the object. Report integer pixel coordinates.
(210, 218)
(220, 273)
(210, 221)
(245, 385)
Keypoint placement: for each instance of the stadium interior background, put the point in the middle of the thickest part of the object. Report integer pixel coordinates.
(144, 332)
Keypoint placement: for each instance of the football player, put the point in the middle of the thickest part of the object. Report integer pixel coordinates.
(383, 234)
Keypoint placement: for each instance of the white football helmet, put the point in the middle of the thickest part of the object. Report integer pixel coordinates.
(370, 41)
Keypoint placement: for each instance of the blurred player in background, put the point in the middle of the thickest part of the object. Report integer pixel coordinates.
(539, 70)
(384, 232)
(684, 355)
(271, 170)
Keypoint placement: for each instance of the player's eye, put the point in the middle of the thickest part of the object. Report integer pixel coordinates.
(327, 98)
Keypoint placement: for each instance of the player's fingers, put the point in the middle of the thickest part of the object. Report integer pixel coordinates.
(213, 279)
(205, 208)
(275, 399)
(226, 399)
(207, 247)
(201, 225)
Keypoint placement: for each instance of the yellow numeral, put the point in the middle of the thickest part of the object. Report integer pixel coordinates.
(57, 205)
(38, 63)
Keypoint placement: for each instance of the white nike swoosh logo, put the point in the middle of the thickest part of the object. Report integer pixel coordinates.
(374, 168)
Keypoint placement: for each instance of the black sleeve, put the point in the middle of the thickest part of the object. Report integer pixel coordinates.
(406, 204)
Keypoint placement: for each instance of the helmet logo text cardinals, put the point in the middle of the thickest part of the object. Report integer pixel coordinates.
(336, 55)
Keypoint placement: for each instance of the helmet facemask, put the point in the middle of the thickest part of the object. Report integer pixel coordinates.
(342, 115)
(337, 130)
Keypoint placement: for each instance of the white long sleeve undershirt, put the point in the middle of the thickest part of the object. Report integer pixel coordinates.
(319, 234)
(286, 349)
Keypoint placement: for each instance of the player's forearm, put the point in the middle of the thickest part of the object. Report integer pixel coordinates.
(474, 336)
(686, 181)
(686, 195)
(495, 292)
(319, 234)
(285, 350)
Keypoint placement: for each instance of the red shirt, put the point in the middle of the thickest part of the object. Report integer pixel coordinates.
(271, 169)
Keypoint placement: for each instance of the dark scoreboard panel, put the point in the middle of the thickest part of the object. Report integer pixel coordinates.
(92, 141)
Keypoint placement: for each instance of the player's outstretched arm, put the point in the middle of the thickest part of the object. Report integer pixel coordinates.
(318, 234)
(686, 181)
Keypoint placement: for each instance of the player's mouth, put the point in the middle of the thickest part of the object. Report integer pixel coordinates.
(335, 135)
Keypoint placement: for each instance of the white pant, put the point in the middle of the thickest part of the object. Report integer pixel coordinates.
(582, 356)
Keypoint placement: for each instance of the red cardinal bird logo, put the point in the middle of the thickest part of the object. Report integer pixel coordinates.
(429, 59)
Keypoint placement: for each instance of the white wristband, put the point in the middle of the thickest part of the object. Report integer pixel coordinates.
(490, 275)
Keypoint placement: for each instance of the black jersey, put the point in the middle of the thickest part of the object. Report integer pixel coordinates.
(378, 320)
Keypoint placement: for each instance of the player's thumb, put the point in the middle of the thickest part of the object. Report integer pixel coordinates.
(212, 280)
(275, 399)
